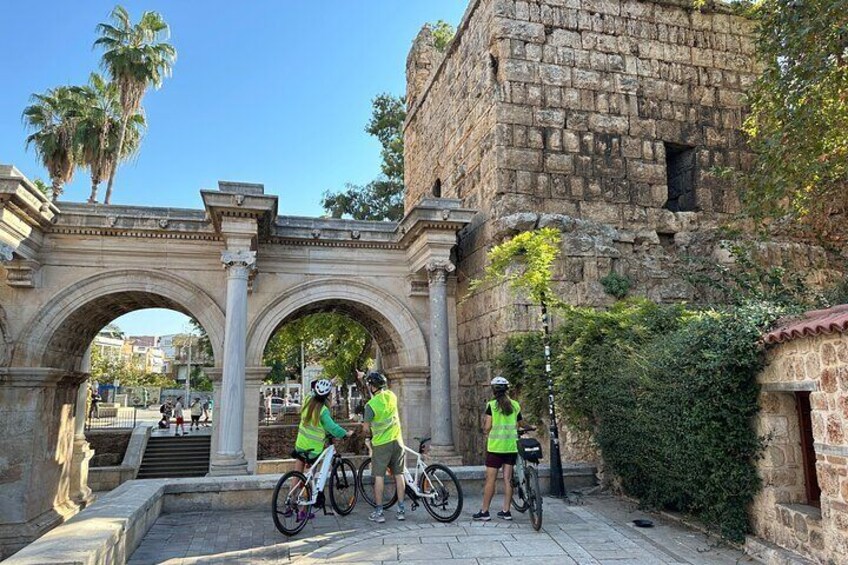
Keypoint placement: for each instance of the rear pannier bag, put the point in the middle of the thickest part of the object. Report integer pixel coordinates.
(530, 449)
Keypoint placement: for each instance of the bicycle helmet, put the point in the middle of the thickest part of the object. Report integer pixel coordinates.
(323, 387)
(376, 380)
(499, 385)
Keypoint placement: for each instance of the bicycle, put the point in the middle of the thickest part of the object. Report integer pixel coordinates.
(526, 494)
(434, 485)
(296, 493)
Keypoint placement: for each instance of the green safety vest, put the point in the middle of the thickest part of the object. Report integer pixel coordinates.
(503, 437)
(310, 438)
(385, 427)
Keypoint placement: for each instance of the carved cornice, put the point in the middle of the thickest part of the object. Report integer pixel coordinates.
(22, 273)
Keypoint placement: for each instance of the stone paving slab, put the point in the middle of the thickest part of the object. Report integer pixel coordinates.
(599, 532)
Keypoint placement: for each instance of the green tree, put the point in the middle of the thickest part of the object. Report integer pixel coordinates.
(136, 57)
(798, 124)
(336, 342)
(52, 117)
(382, 198)
(98, 128)
(43, 187)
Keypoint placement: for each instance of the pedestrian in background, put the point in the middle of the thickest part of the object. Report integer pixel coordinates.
(178, 414)
(196, 411)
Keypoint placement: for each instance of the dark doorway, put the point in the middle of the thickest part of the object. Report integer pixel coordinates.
(805, 423)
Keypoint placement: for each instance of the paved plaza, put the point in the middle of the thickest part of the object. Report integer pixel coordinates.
(599, 531)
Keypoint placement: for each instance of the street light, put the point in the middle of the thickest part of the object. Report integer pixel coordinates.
(557, 484)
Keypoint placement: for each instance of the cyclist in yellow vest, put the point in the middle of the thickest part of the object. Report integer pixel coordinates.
(315, 423)
(382, 423)
(501, 424)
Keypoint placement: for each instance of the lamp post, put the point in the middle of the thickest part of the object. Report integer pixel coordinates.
(557, 484)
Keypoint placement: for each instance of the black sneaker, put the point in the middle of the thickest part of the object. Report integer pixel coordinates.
(505, 515)
(482, 516)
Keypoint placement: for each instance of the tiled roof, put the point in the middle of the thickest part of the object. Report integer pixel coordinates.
(815, 322)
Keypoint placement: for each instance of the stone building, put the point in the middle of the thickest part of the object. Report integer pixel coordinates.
(603, 118)
(803, 506)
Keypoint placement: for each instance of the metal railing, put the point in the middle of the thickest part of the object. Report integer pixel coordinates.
(112, 418)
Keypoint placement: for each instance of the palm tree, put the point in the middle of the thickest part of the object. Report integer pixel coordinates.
(137, 57)
(52, 117)
(97, 131)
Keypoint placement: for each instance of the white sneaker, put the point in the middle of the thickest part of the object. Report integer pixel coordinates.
(377, 517)
(401, 515)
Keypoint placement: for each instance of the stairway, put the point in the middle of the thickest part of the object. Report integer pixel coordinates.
(169, 456)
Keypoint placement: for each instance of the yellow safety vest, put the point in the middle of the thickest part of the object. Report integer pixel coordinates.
(503, 437)
(310, 438)
(385, 427)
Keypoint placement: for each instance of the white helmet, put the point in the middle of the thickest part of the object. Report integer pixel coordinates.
(499, 381)
(323, 387)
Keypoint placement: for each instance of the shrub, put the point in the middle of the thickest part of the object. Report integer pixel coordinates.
(616, 285)
(669, 394)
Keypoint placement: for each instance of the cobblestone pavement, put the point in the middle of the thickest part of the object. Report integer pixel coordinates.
(596, 532)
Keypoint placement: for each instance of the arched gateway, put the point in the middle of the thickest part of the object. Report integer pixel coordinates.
(240, 270)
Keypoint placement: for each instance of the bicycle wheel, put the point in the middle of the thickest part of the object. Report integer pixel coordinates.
(534, 497)
(446, 505)
(366, 485)
(343, 487)
(519, 499)
(288, 506)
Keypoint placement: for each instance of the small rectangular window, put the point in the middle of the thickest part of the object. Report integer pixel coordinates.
(680, 177)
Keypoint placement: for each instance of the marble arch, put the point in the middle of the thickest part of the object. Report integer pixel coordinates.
(67, 269)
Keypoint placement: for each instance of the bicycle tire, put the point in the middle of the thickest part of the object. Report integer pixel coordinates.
(534, 497)
(519, 503)
(278, 510)
(430, 504)
(343, 487)
(366, 486)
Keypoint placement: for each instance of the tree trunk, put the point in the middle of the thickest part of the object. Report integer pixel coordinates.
(58, 187)
(124, 121)
(92, 199)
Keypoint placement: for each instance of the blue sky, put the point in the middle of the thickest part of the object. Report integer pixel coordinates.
(272, 91)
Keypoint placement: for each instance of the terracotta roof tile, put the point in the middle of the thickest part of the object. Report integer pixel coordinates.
(815, 322)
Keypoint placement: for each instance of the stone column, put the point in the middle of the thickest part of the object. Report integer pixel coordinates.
(215, 374)
(441, 424)
(253, 381)
(79, 490)
(229, 458)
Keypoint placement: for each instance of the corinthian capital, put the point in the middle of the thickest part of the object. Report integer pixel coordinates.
(241, 261)
(438, 270)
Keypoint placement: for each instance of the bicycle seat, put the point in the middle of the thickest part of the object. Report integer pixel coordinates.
(422, 439)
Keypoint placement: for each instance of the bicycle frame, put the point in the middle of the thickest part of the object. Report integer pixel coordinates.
(320, 480)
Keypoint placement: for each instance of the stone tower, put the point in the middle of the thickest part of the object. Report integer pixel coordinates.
(604, 118)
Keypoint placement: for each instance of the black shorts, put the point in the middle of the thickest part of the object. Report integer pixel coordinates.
(304, 456)
(498, 460)
(195, 419)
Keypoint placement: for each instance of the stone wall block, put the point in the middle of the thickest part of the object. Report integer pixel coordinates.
(524, 31)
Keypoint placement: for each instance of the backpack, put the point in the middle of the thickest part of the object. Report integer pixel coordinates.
(162, 409)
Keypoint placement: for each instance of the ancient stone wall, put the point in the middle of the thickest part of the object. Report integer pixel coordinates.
(602, 118)
(781, 513)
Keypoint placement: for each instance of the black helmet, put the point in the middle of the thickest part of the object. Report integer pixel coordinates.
(376, 380)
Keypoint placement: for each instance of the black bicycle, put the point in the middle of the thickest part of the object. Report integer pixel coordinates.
(297, 493)
(526, 494)
(434, 485)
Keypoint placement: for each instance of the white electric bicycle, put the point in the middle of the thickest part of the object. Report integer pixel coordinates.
(435, 485)
(297, 493)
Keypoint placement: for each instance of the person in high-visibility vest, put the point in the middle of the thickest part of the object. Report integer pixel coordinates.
(315, 423)
(501, 424)
(382, 423)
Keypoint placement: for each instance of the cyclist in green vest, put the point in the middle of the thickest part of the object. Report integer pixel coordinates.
(315, 423)
(501, 424)
(382, 423)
